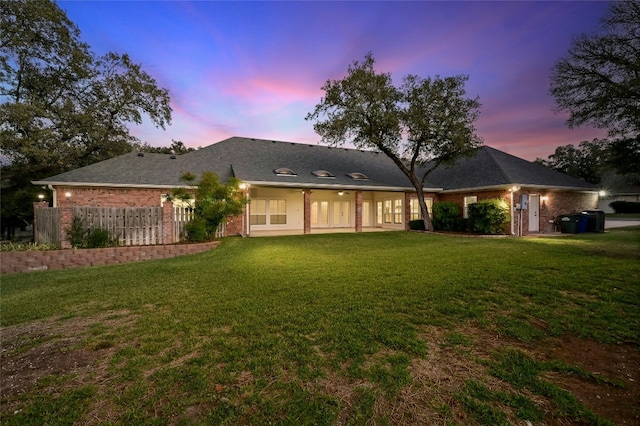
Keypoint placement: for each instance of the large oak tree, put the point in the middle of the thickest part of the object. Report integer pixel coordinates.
(598, 82)
(62, 107)
(420, 125)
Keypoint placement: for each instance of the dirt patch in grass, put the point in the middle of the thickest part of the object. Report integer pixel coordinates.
(57, 347)
(53, 347)
(620, 364)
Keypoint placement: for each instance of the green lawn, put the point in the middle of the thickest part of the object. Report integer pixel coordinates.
(374, 328)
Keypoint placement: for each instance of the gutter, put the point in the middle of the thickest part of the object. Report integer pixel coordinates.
(334, 186)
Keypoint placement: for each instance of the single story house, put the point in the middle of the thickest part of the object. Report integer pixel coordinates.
(299, 189)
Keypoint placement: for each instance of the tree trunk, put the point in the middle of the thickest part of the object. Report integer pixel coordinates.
(428, 226)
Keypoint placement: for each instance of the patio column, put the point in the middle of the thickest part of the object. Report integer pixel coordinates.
(307, 211)
(358, 211)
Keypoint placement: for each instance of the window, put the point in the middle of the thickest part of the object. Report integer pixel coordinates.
(278, 212)
(258, 212)
(468, 200)
(283, 171)
(414, 208)
(387, 211)
(323, 174)
(275, 214)
(397, 211)
(358, 176)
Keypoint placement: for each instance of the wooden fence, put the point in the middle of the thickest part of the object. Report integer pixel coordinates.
(181, 215)
(47, 225)
(132, 226)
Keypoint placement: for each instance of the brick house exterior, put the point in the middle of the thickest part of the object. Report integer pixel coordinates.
(296, 188)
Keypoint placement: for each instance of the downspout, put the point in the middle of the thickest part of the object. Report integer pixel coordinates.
(54, 198)
(513, 213)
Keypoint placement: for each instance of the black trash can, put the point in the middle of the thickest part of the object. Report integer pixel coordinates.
(568, 223)
(595, 220)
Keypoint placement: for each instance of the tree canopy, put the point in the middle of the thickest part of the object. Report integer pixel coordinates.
(62, 107)
(420, 125)
(598, 82)
(612, 165)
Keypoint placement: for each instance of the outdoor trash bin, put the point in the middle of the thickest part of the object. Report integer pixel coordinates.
(569, 223)
(582, 223)
(595, 220)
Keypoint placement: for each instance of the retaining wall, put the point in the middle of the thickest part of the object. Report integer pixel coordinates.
(25, 261)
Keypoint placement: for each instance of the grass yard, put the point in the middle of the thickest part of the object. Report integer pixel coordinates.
(354, 329)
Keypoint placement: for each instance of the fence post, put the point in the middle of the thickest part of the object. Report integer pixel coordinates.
(168, 222)
(36, 224)
(66, 219)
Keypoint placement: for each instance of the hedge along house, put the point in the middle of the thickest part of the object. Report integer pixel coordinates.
(301, 189)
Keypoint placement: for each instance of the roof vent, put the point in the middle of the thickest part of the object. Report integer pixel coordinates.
(358, 176)
(284, 171)
(323, 174)
(141, 154)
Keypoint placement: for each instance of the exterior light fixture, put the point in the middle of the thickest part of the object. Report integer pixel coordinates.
(544, 198)
(67, 194)
(41, 197)
(602, 193)
(341, 193)
(514, 188)
(243, 186)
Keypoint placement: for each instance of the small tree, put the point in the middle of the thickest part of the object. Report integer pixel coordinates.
(214, 202)
(424, 123)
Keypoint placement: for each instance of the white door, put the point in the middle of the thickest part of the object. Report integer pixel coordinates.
(320, 213)
(341, 211)
(534, 213)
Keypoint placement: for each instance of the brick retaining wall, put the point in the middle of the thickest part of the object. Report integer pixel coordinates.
(24, 261)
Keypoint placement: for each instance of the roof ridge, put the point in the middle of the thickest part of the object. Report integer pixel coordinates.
(504, 174)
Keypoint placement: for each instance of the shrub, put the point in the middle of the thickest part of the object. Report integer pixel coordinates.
(416, 225)
(81, 237)
(625, 207)
(489, 216)
(446, 216)
(76, 233)
(27, 247)
(98, 238)
(196, 230)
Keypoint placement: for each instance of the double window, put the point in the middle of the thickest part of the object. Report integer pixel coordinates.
(268, 211)
(414, 208)
(392, 211)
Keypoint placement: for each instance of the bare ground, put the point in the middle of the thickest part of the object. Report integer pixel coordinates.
(60, 347)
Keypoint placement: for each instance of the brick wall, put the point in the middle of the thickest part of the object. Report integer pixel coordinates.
(25, 261)
(552, 204)
(108, 197)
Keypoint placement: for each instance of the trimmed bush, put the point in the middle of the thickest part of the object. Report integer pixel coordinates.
(489, 216)
(625, 207)
(416, 225)
(446, 216)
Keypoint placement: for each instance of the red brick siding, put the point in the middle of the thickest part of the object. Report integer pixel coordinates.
(25, 261)
(109, 197)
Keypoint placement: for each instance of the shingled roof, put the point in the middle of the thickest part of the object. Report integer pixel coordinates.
(256, 161)
(491, 168)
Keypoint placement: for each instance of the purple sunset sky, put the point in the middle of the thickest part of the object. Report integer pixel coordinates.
(255, 69)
